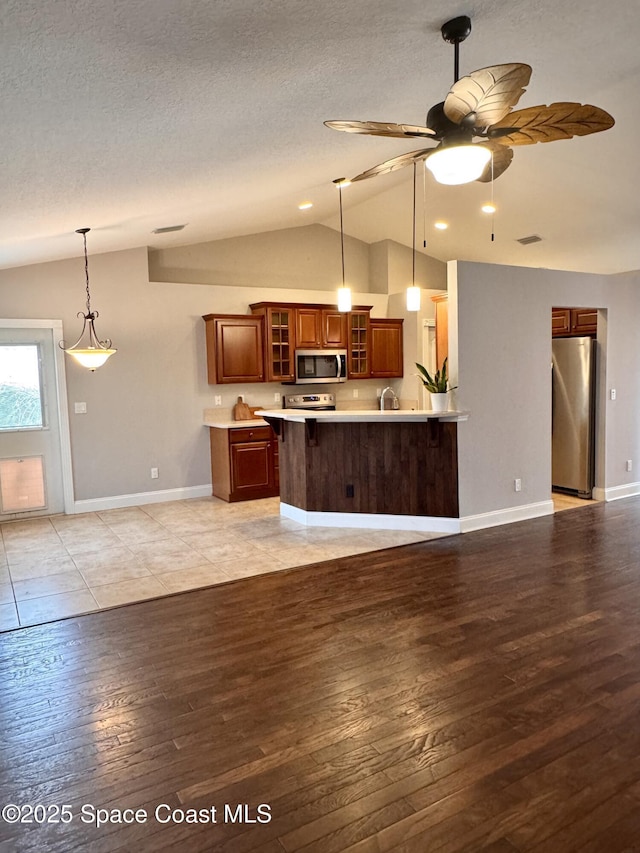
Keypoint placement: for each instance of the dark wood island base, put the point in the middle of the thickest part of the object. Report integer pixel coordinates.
(383, 466)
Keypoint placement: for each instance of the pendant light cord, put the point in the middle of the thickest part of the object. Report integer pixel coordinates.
(341, 232)
(414, 223)
(84, 231)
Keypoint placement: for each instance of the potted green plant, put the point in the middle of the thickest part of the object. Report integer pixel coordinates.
(437, 385)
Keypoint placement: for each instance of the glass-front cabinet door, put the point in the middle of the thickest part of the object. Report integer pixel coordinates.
(359, 345)
(279, 327)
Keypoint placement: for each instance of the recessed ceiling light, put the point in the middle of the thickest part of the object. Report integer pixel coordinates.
(305, 205)
(441, 226)
(488, 208)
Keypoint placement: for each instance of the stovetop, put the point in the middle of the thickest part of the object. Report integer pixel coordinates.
(309, 401)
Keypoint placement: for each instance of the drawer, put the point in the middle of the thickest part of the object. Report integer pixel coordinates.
(261, 433)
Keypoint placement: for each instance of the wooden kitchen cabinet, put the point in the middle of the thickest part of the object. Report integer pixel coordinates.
(308, 328)
(358, 345)
(234, 348)
(244, 463)
(386, 348)
(571, 322)
(321, 328)
(442, 328)
(279, 340)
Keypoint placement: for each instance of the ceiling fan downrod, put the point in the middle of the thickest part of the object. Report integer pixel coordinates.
(454, 32)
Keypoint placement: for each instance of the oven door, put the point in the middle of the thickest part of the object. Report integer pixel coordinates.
(315, 366)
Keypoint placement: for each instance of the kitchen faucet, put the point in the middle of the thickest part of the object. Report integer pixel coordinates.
(394, 404)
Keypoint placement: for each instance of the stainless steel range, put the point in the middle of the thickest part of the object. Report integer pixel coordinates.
(326, 402)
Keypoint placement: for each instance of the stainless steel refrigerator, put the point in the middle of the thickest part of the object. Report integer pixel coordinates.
(573, 415)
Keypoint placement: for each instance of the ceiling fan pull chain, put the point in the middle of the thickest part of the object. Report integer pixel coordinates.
(493, 212)
(424, 208)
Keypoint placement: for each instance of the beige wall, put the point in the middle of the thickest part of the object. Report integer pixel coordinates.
(500, 338)
(305, 258)
(145, 406)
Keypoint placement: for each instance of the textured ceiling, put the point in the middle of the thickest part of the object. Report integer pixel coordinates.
(129, 115)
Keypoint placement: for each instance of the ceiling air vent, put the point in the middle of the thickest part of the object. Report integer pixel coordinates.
(167, 229)
(532, 238)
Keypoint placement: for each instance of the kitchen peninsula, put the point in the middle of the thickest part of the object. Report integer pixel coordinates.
(392, 469)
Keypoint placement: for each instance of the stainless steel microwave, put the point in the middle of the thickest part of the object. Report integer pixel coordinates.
(320, 365)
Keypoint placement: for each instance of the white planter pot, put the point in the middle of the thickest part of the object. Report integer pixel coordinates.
(439, 402)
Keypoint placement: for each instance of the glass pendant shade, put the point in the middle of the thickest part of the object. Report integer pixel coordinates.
(344, 298)
(89, 350)
(458, 164)
(413, 298)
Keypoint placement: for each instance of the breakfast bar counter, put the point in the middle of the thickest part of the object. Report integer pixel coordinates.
(395, 469)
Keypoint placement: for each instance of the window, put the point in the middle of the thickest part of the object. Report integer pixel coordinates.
(21, 403)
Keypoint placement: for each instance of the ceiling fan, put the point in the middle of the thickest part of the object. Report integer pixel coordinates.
(475, 127)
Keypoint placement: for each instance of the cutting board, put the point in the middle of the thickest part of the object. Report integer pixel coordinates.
(241, 412)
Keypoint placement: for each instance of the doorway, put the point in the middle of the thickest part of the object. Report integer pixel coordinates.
(575, 357)
(35, 456)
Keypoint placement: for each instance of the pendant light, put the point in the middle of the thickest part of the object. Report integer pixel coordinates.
(344, 292)
(413, 292)
(89, 350)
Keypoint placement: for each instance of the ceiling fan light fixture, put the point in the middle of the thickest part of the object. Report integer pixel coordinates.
(458, 164)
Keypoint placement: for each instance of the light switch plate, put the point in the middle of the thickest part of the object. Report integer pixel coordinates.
(80, 408)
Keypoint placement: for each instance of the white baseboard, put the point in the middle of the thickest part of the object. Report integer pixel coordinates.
(614, 493)
(140, 498)
(371, 521)
(505, 516)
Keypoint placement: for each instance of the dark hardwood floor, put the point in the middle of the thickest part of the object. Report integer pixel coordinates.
(478, 692)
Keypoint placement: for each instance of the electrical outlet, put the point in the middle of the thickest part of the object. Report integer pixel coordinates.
(629, 464)
(350, 491)
(217, 400)
(241, 398)
(517, 485)
(355, 392)
(80, 408)
(277, 397)
(613, 393)
(154, 473)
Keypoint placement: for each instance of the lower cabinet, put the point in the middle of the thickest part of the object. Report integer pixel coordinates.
(244, 463)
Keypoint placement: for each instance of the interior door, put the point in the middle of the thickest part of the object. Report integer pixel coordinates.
(31, 477)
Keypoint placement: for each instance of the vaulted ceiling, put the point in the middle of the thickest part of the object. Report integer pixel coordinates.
(132, 115)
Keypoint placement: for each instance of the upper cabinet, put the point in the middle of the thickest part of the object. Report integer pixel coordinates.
(333, 328)
(386, 348)
(568, 322)
(234, 348)
(358, 348)
(279, 324)
(260, 347)
(320, 328)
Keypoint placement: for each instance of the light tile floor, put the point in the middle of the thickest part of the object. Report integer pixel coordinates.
(562, 501)
(66, 565)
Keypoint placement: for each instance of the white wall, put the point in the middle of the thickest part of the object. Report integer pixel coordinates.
(500, 339)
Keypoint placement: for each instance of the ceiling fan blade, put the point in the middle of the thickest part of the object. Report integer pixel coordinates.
(395, 163)
(380, 128)
(502, 157)
(485, 96)
(556, 121)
